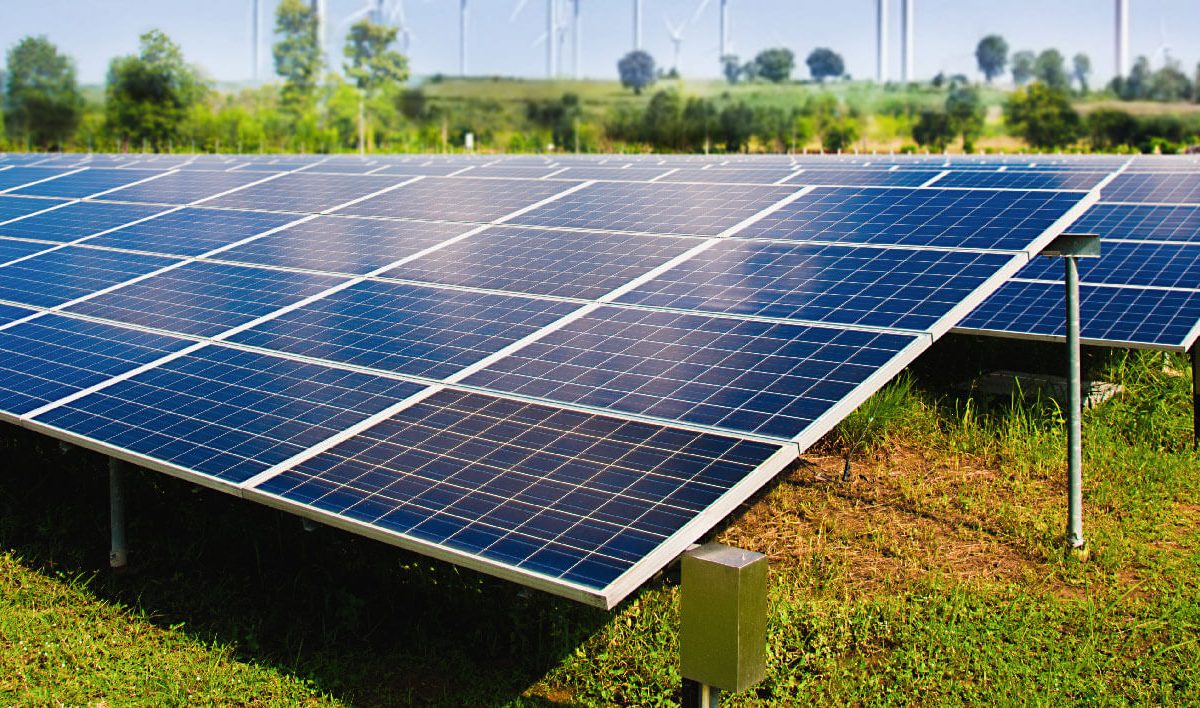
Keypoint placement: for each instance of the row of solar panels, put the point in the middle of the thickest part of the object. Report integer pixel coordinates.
(560, 382)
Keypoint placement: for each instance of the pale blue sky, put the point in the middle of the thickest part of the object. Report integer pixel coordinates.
(215, 33)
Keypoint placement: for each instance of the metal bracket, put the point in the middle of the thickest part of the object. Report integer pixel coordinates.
(1074, 245)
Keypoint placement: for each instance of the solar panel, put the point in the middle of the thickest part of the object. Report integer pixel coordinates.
(458, 199)
(17, 176)
(660, 208)
(862, 178)
(16, 207)
(1154, 188)
(1139, 317)
(916, 217)
(183, 187)
(576, 502)
(304, 192)
(11, 250)
(225, 413)
(191, 231)
(605, 172)
(86, 183)
(406, 329)
(1013, 179)
(1164, 265)
(729, 176)
(897, 288)
(1144, 223)
(67, 273)
(579, 264)
(77, 221)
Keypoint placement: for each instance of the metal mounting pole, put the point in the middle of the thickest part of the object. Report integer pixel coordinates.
(118, 556)
(1196, 396)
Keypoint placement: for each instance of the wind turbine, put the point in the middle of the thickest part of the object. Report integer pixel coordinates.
(676, 39)
(1164, 49)
(637, 24)
(463, 13)
(255, 38)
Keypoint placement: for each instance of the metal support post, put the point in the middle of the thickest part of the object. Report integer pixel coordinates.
(118, 556)
(1196, 396)
(723, 622)
(1075, 412)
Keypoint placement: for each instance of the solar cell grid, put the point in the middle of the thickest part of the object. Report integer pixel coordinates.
(1123, 263)
(898, 288)
(76, 221)
(64, 274)
(1143, 223)
(344, 244)
(578, 264)
(191, 231)
(747, 376)
(1013, 179)
(405, 329)
(1151, 188)
(183, 187)
(85, 184)
(11, 250)
(17, 176)
(861, 177)
(304, 192)
(458, 199)
(204, 298)
(224, 413)
(700, 209)
(17, 207)
(1109, 315)
(728, 175)
(579, 498)
(605, 172)
(917, 217)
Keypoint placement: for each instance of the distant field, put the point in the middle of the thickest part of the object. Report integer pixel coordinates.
(937, 575)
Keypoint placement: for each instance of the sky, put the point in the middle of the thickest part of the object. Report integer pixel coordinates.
(215, 34)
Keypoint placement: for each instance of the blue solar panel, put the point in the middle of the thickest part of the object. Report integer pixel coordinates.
(876, 287)
(1152, 188)
(18, 176)
(1147, 223)
(1109, 315)
(227, 414)
(193, 231)
(86, 183)
(705, 209)
(729, 175)
(917, 217)
(75, 221)
(305, 192)
(12, 250)
(753, 377)
(50, 357)
(9, 313)
(570, 496)
(1123, 263)
(862, 178)
(578, 264)
(68, 273)
(344, 244)
(417, 170)
(514, 171)
(204, 298)
(1023, 180)
(605, 172)
(407, 329)
(184, 187)
(458, 199)
(16, 207)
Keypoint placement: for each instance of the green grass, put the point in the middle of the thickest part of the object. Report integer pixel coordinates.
(936, 575)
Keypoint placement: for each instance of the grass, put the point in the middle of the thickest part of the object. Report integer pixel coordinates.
(936, 575)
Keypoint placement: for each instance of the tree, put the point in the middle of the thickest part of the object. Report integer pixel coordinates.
(1169, 84)
(736, 125)
(372, 65)
(298, 52)
(731, 67)
(839, 134)
(776, 64)
(42, 105)
(966, 113)
(699, 122)
(637, 70)
(560, 117)
(1043, 116)
(992, 56)
(1081, 68)
(149, 94)
(825, 63)
(933, 129)
(663, 120)
(1022, 66)
(1051, 69)
(1108, 129)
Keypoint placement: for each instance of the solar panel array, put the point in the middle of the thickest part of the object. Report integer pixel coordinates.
(561, 371)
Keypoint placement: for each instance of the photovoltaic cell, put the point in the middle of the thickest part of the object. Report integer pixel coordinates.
(861, 178)
(415, 170)
(184, 187)
(728, 175)
(227, 414)
(1162, 188)
(86, 183)
(305, 192)
(1108, 314)
(344, 244)
(204, 298)
(406, 329)
(50, 357)
(1013, 179)
(747, 376)
(1143, 223)
(11, 250)
(703, 209)
(76, 221)
(458, 199)
(1121, 263)
(16, 207)
(192, 231)
(579, 264)
(18, 176)
(62, 275)
(570, 496)
(604, 172)
(514, 171)
(917, 217)
(898, 288)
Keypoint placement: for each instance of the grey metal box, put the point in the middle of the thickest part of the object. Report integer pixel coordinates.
(723, 617)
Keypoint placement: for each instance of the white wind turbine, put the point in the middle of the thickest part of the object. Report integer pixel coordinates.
(676, 39)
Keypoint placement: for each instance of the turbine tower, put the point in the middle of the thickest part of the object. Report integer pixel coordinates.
(881, 41)
(551, 32)
(255, 39)
(575, 38)
(1122, 38)
(724, 31)
(463, 13)
(676, 34)
(637, 24)
(906, 29)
